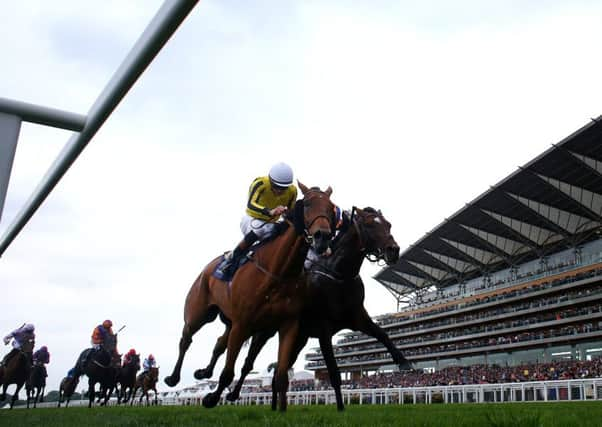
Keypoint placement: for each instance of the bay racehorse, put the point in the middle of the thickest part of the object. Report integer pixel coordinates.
(66, 389)
(126, 378)
(17, 370)
(35, 384)
(145, 382)
(100, 366)
(337, 294)
(264, 293)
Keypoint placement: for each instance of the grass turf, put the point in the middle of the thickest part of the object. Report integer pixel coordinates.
(561, 414)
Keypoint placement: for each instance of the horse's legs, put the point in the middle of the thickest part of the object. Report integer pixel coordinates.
(3, 395)
(299, 344)
(133, 395)
(288, 337)
(257, 344)
(191, 326)
(91, 396)
(365, 324)
(235, 341)
(218, 350)
(16, 395)
(155, 401)
(60, 399)
(35, 401)
(331, 365)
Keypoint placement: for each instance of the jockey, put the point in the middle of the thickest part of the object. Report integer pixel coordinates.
(72, 373)
(101, 333)
(127, 359)
(42, 357)
(269, 197)
(149, 362)
(19, 336)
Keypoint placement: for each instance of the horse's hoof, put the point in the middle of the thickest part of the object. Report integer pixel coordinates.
(210, 400)
(201, 374)
(232, 397)
(341, 408)
(171, 380)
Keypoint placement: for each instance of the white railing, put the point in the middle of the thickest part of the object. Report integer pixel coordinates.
(536, 391)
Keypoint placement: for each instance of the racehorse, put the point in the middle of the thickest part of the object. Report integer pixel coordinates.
(126, 378)
(263, 293)
(35, 384)
(67, 388)
(100, 366)
(338, 295)
(145, 382)
(17, 370)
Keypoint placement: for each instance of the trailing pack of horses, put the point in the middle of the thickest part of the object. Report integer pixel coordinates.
(21, 371)
(102, 366)
(273, 293)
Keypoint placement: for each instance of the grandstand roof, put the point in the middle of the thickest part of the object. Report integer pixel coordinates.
(552, 203)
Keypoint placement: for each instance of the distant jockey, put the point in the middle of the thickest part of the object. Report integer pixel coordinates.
(127, 359)
(149, 363)
(19, 336)
(42, 357)
(101, 333)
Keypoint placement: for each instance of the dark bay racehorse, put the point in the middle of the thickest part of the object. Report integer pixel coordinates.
(263, 294)
(126, 378)
(17, 371)
(100, 366)
(66, 389)
(146, 382)
(35, 384)
(337, 294)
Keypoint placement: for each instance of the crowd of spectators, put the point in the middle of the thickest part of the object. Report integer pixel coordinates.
(483, 374)
(458, 375)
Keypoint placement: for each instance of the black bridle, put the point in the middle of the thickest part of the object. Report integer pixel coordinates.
(373, 255)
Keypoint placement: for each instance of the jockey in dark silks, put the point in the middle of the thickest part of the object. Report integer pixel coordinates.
(41, 358)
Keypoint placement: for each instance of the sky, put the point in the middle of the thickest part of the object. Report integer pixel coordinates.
(414, 108)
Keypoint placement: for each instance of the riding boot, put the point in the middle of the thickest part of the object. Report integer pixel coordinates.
(9, 356)
(231, 258)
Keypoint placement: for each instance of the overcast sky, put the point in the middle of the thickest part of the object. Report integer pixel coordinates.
(414, 108)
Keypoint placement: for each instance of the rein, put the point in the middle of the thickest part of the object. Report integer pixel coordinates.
(96, 362)
(264, 270)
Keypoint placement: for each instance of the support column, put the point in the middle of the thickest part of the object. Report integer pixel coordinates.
(9, 134)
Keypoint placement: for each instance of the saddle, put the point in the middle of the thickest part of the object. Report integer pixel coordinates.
(226, 274)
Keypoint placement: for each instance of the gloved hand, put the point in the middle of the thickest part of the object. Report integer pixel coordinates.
(6, 340)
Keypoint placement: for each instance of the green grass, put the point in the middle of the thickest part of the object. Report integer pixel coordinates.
(565, 414)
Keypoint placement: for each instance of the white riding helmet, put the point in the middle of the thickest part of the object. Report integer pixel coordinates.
(28, 327)
(281, 175)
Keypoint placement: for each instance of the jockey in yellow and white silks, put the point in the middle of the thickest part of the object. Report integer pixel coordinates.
(269, 197)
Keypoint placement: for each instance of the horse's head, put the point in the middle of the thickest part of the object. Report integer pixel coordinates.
(318, 216)
(28, 345)
(375, 235)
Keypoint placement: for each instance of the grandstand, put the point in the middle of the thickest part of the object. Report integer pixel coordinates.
(511, 280)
